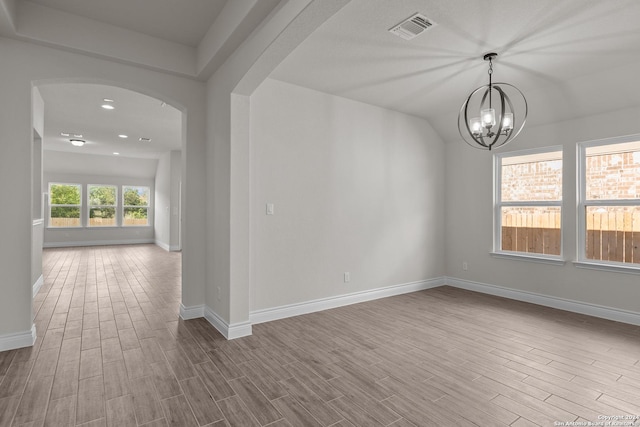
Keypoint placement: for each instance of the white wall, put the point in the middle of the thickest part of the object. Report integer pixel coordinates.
(162, 217)
(167, 204)
(175, 243)
(25, 64)
(228, 234)
(469, 219)
(37, 209)
(356, 189)
(92, 164)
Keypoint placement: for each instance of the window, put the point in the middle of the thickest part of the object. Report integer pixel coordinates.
(528, 203)
(135, 205)
(65, 201)
(102, 205)
(609, 208)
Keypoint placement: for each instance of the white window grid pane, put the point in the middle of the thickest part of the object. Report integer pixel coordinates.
(544, 239)
(607, 235)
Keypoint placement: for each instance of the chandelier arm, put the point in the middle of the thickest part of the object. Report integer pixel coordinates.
(466, 122)
(499, 132)
(526, 112)
(484, 98)
(509, 133)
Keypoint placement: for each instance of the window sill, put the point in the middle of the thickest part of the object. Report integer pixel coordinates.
(618, 268)
(529, 257)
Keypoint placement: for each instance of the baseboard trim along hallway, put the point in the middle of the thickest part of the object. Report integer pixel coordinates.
(19, 340)
(37, 285)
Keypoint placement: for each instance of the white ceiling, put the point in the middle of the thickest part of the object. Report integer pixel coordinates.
(190, 38)
(184, 21)
(76, 108)
(571, 58)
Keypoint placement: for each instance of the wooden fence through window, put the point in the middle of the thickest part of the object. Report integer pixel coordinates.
(97, 222)
(611, 236)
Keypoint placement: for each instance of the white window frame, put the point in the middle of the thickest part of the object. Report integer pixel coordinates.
(498, 204)
(90, 206)
(64, 206)
(148, 206)
(581, 256)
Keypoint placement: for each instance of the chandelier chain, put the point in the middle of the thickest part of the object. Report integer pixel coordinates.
(490, 82)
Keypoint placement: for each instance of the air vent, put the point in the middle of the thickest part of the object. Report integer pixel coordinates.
(143, 139)
(412, 26)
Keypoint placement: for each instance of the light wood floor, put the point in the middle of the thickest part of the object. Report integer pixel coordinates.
(111, 351)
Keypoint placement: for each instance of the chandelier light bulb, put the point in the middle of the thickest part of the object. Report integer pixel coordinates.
(475, 125)
(488, 117)
(507, 122)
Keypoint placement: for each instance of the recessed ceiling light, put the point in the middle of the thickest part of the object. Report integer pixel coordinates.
(123, 136)
(116, 153)
(108, 104)
(77, 142)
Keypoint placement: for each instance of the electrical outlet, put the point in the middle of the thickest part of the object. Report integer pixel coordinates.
(218, 293)
(465, 266)
(347, 277)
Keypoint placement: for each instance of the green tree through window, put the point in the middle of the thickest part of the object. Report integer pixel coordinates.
(64, 202)
(102, 205)
(136, 205)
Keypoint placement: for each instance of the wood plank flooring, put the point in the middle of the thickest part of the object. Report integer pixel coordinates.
(112, 351)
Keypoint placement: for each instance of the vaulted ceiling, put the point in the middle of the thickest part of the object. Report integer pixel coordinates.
(571, 58)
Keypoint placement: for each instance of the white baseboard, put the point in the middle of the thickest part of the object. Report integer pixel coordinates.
(168, 248)
(19, 340)
(594, 310)
(162, 245)
(282, 312)
(37, 285)
(229, 331)
(192, 312)
(97, 243)
(242, 329)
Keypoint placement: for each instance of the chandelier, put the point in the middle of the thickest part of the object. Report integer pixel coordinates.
(487, 119)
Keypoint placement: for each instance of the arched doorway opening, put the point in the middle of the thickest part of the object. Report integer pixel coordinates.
(122, 151)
